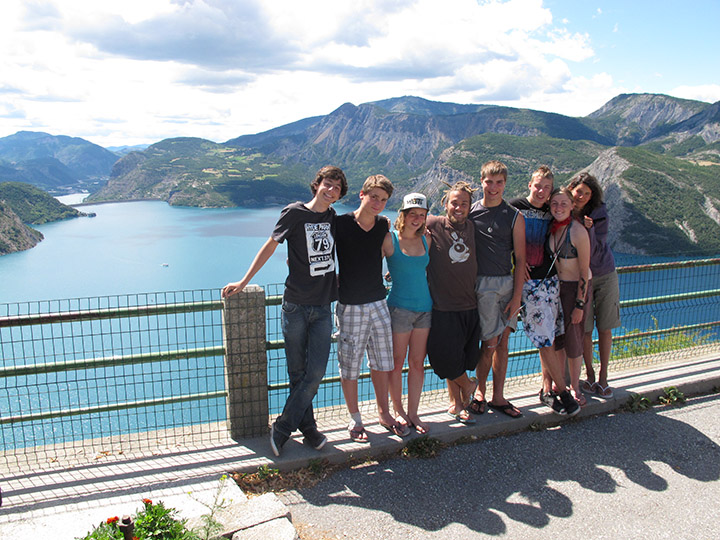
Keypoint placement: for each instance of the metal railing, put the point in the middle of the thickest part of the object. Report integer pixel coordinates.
(84, 378)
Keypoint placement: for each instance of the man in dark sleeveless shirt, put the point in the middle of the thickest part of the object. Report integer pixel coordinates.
(499, 234)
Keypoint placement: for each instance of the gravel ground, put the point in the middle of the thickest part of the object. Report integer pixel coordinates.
(622, 475)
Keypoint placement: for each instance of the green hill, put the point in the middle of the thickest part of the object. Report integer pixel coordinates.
(33, 205)
(198, 172)
(676, 203)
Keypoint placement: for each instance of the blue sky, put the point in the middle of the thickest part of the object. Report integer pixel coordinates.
(138, 71)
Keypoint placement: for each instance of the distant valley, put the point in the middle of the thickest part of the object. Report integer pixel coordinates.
(658, 158)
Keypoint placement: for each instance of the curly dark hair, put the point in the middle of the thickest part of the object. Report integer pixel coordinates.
(592, 183)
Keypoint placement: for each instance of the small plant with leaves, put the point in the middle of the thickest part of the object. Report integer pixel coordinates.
(317, 466)
(672, 396)
(210, 525)
(638, 403)
(422, 447)
(156, 521)
(153, 522)
(107, 530)
(264, 472)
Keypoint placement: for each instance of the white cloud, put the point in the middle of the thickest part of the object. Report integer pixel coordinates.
(141, 70)
(705, 92)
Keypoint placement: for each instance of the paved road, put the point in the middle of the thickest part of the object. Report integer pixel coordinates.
(621, 476)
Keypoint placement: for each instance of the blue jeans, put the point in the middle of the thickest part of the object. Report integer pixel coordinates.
(307, 331)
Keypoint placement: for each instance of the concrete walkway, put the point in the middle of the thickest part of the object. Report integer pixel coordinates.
(38, 501)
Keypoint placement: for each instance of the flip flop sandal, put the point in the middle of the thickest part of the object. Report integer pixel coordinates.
(397, 429)
(464, 417)
(358, 434)
(604, 392)
(587, 386)
(477, 407)
(508, 409)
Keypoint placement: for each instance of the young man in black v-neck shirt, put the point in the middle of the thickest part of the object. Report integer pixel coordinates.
(362, 312)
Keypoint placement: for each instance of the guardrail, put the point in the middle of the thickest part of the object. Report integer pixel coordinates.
(148, 372)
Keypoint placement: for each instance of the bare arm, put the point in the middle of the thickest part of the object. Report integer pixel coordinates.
(259, 261)
(387, 246)
(428, 239)
(513, 307)
(580, 239)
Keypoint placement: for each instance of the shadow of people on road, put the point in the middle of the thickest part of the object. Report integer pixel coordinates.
(475, 484)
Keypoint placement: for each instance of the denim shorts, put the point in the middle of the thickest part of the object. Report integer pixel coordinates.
(405, 320)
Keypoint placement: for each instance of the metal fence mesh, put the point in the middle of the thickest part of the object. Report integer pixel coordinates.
(79, 388)
(145, 372)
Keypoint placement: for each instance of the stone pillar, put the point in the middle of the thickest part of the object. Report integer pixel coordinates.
(246, 363)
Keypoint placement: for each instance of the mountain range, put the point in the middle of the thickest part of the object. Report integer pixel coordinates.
(657, 157)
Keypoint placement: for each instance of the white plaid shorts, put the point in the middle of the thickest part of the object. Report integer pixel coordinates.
(364, 327)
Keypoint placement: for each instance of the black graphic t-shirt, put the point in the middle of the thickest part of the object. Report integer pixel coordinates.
(311, 254)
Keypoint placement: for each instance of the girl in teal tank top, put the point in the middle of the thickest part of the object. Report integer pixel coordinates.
(407, 253)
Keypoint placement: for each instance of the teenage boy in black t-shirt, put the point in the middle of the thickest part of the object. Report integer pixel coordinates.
(310, 287)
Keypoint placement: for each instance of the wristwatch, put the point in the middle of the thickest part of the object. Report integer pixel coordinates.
(579, 304)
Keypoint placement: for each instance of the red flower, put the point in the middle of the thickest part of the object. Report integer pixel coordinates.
(113, 520)
(147, 501)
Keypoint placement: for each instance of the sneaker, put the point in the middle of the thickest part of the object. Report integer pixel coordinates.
(550, 400)
(277, 440)
(315, 439)
(572, 407)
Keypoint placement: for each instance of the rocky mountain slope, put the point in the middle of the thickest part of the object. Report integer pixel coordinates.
(657, 204)
(417, 143)
(22, 204)
(14, 234)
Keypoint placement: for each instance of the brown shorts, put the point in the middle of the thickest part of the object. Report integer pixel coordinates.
(574, 333)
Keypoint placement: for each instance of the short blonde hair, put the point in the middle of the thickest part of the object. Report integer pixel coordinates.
(377, 181)
(492, 168)
(543, 171)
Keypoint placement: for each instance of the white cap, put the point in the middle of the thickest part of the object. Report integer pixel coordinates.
(414, 200)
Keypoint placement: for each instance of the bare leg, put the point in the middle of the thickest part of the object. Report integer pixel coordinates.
(400, 347)
(381, 383)
(350, 391)
(588, 357)
(553, 369)
(499, 368)
(604, 347)
(575, 365)
(487, 348)
(416, 373)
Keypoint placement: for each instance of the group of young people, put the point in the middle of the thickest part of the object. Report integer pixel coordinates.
(458, 283)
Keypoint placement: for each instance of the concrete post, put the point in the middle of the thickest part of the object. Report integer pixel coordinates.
(246, 363)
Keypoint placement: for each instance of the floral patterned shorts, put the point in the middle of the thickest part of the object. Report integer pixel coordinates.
(541, 313)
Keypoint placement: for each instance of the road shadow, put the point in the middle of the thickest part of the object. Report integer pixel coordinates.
(474, 484)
